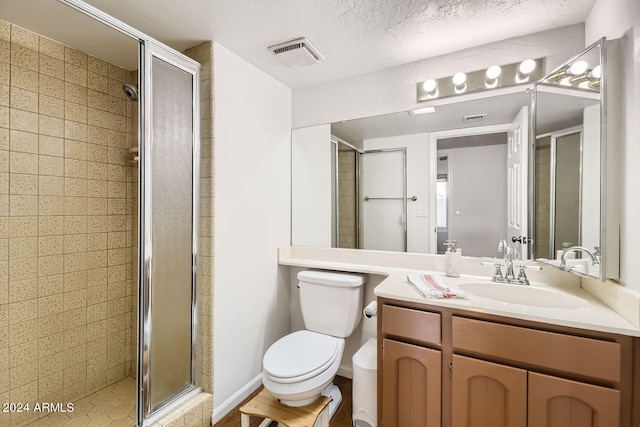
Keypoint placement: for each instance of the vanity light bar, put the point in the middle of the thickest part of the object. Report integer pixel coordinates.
(527, 71)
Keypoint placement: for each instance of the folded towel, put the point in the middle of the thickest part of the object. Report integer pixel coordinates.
(433, 286)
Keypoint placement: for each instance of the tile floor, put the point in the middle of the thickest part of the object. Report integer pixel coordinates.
(113, 406)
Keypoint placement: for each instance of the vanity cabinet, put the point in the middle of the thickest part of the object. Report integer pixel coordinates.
(411, 392)
(488, 394)
(444, 367)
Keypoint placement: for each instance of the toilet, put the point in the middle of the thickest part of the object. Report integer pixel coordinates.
(301, 366)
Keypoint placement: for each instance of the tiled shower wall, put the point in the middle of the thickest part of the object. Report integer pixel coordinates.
(347, 203)
(65, 221)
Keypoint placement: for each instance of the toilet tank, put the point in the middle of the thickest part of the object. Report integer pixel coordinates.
(331, 302)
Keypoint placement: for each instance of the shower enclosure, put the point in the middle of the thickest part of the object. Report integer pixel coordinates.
(98, 217)
(369, 197)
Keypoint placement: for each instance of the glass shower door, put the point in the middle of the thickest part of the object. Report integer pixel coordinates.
(383, 202)
(168, 207)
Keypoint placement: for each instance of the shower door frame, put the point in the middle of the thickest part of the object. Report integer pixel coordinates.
(148, 45)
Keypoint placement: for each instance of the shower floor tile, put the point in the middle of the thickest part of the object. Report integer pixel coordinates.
(113, 406)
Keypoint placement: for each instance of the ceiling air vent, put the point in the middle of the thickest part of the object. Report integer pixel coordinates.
(297, 52)
(473, 117)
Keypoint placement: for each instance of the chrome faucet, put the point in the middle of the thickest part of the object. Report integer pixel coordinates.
(565, 253)
(509, 275)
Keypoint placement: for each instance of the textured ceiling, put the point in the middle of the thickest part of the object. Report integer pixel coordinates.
(355, 36)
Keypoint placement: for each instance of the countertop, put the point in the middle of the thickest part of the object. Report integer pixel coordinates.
(592, 315)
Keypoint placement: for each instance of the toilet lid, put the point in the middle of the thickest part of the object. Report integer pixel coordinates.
(300, 354)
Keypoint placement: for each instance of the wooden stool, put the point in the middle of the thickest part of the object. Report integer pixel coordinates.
(266, 406)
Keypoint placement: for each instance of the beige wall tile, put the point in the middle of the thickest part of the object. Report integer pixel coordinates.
(75, 112)
(97, 258)
(23, 120)
(23, 353)
(23, 247)
(51, 106)
(74, 74)
(23, 184)
(75, 93)
(98, 171)
(51, 48)
(50, 384)
(23, 99)
(24, 57)
(50, 285)
(25, 142)
(75, 57)
(50, 205)
(51, 146)
(75, 224)
(24, 37)
(75, 206)
(76, 187)
(49, 165)
(23, 205)
(4, 117)
(74, 243)
(4, 139)
(51, 185)
(98, 66)
(23, 311)
(75, 281)
(50, 325)
(51, 66)
(75, 262)
(22, 290)
(24, 78)
(76, 131)
(51, 126)
(75, 337)
(4, 94)
(22, 332)
(50, 225)
(23, 163)
(5, 31)
(75, 168)
(23, 226)
(50, 86)
(50, 265)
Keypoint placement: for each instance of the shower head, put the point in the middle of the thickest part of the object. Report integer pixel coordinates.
(131, 91)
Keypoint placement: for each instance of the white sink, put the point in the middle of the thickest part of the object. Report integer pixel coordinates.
(525, 295)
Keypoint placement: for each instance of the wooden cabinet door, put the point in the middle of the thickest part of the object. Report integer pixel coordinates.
(487, 394)
(411, 389)
(556, 402)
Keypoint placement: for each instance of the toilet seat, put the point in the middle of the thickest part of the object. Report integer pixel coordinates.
(299, 356)
(299, 366)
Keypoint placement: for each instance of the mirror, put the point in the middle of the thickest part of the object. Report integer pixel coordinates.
(568, 177)
(390, 190)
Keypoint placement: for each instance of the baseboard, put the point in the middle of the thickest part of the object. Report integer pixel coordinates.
(346, 371)
(235, 399)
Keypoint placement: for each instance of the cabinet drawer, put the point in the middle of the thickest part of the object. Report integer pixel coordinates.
(583, 356)
(416, 325)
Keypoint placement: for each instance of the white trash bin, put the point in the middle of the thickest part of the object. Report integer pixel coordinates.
(365, 380)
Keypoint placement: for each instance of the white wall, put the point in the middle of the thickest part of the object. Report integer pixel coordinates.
(418, 165)
(311, 195)
(612, 19)
(252, 208)
(394, 89)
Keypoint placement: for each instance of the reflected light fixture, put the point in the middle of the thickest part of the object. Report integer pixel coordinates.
(525, 69)
(578, 68)
(423, 110)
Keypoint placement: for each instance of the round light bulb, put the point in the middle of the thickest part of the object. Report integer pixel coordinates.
(459, 79)
(430, 85)
(527, 66)
(596, 73)
(578, 68)
(493, 72)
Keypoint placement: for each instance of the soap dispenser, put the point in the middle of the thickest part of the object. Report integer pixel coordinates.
(452, 260)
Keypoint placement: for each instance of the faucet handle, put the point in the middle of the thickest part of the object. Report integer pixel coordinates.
(497, 274)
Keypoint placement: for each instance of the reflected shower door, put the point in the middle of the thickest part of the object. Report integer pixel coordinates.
(383, 202)
(168, 180)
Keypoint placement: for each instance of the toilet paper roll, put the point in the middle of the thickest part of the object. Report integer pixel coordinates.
(371, 310)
